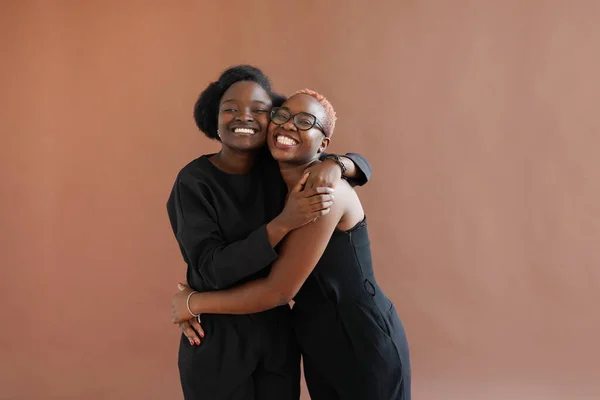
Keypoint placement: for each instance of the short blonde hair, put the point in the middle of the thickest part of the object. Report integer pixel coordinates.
(330, 117)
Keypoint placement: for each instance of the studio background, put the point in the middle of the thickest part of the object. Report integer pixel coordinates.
(480, 119)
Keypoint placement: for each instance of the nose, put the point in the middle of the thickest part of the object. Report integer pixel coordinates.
(289, 125)
(244, 115)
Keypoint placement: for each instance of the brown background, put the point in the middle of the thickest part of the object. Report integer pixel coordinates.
(480, 119)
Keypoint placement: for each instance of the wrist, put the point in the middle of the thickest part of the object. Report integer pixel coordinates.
(279, 227)
(338, 160)
(196, 304)
(189, 306)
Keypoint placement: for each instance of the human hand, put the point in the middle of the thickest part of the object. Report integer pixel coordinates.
(305, 205)
(179, 309)
(192, 330)
(325, 173)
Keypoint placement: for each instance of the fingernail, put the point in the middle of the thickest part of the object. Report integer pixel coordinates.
(191, 342)
(197, 341)
(202, 335)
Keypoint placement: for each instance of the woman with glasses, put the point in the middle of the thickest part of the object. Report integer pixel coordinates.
(226, 213)
(352, 341)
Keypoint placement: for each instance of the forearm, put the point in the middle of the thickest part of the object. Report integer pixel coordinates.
(349, 169)
(362, 169)
(351, 172)
(356, 170)
(300, 253)
(252, 297)
(217, 266)
(276, 231)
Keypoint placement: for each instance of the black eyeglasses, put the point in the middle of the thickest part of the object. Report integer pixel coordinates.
(303, 120)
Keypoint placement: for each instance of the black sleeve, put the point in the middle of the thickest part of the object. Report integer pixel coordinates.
(363, 167)
(212, 263)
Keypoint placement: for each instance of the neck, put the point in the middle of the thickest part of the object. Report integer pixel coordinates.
(234, 161)
(292, 172)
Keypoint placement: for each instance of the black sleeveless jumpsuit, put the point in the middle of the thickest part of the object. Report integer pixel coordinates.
(353, 343)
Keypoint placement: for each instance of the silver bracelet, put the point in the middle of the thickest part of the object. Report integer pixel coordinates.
(188, 305)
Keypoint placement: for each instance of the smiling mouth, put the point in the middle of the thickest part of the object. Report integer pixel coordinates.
(244, 131)
(285, 141)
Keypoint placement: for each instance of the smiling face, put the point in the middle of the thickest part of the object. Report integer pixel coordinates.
(244, 116)
(290, 144)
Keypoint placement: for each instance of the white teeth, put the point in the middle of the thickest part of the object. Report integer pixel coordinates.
(286, 140)
(247, 131)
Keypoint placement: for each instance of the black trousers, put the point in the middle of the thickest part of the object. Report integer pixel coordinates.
(354, 351)
(242, 357)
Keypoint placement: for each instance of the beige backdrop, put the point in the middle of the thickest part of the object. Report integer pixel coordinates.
(480, 119)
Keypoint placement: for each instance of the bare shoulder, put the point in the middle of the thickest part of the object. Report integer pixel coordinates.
(345, 213)
(353, 211)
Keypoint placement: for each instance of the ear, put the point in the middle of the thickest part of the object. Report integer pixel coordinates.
(324, 143)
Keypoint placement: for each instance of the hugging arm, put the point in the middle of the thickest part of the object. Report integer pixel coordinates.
(357, 170)
(212, 262)
(299, 255)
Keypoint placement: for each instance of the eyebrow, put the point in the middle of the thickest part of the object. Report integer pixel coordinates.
(234, 100)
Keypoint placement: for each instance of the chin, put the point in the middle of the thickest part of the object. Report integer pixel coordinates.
(280, 155)
(291, 157)
(247, 143)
